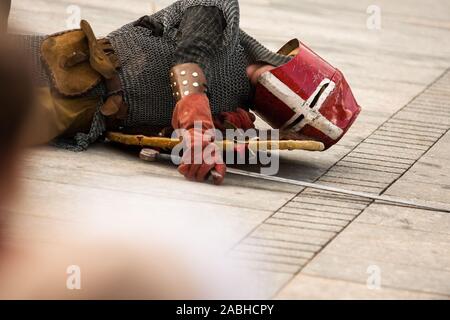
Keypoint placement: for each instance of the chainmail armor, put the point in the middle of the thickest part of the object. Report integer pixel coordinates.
(146, 60)
(145, 64)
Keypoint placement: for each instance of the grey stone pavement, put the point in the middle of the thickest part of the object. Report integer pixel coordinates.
(300, 243)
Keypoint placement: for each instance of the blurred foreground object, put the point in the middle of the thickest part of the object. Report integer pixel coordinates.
(109, 257)
(5, 7)
(16, 98)
(97, 267)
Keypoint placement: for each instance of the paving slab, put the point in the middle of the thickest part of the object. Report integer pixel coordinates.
(410, 247)
(308, 287)
(406, 218)
(393, 275)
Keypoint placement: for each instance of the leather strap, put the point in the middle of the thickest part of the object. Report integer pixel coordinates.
(105, 62)
(98, 58)
(114, 105)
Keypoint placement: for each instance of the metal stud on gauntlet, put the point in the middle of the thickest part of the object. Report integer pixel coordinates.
(187, 79)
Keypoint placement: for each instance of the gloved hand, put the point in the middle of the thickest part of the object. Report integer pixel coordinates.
(201, 154)
(239, 119)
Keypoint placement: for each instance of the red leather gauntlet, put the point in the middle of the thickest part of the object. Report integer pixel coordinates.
(201, 155)
(239, 119)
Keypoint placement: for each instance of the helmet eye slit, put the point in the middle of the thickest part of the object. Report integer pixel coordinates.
(317, 97)
(311, 106)
(296, 122)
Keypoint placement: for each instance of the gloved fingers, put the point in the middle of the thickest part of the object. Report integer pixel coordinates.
(189, 171)
(192, 169)
(250, 117)
(246, 118)
(240, 118)
(221, 169)
(194, 154)
(183, 169)
(232, 121)
(193, 139)
(241, 112)
(192, 173)
(203, 171)
(219, 166)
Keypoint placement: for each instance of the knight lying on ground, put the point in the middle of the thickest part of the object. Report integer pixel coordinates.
(187, 63)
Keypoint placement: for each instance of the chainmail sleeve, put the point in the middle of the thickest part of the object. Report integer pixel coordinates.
(200, 36)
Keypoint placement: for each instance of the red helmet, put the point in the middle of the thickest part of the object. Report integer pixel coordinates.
(306, 95)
